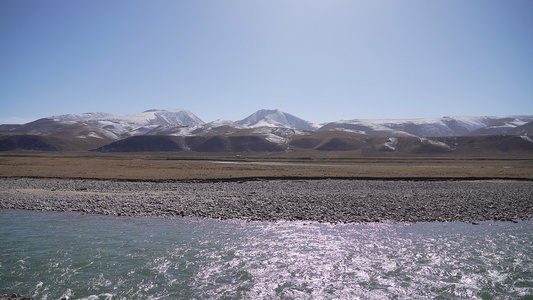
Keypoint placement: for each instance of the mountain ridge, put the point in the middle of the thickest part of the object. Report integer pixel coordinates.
(97, 129)
(429, 127)
(150, 120)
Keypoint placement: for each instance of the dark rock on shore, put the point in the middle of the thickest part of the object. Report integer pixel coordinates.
(14, 297)
(313, 200)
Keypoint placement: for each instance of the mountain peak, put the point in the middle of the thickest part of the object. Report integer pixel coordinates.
(269, 111)
(275, 118)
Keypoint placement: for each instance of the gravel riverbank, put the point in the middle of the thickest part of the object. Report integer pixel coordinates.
(314, 200)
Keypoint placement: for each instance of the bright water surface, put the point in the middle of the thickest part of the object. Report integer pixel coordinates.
(52, 255)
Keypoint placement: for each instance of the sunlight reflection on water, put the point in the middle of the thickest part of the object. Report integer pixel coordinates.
(49, 255)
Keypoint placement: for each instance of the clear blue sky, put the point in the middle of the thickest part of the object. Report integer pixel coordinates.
(319, 60)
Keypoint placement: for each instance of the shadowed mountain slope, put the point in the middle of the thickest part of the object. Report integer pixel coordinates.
(523, 130)
(464, 145)
(192, 143)
(26, 142)
(144, 144)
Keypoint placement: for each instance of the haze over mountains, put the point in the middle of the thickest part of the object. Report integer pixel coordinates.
(264, 130)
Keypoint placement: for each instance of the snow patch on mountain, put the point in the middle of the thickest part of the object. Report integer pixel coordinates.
(364, 127)
(275, 118)
(278, 135)
(222, 122)
(82, 117)
(149, 117)
(391, 144)
(527, 138)
(435, 143)
(167, 117)
(135, 124)
(432, 127)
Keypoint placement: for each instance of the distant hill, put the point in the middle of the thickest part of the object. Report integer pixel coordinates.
(26, 142)
(446, 126)
(198, 144)
(376, 145)
(267, 131)
(523, 130)
(329, 141)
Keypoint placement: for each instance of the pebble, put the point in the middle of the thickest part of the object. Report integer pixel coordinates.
(325, 200)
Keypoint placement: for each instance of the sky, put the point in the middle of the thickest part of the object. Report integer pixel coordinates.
(322, 61)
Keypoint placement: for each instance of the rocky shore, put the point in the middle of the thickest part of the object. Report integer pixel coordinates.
(314, 200)
(14, 297)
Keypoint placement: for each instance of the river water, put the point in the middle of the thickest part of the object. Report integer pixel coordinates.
(51, 255)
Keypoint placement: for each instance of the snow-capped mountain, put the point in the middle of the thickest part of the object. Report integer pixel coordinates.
(181, 117)
(275, 118)
(82, 117)
(436, 127)
(267, 130)
(135, 124)
(181, 122)
(73, 128)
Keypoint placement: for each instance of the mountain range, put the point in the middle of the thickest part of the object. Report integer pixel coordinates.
(264, 130)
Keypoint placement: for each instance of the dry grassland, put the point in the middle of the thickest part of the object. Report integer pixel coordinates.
(205, 167)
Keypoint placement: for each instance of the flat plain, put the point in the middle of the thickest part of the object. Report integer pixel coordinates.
(162, 166)
(317, 186)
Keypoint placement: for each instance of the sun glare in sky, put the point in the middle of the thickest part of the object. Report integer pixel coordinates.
(319, 60)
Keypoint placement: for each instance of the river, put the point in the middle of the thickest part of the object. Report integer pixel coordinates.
(50, 255)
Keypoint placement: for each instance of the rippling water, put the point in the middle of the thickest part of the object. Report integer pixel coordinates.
(53, 255)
